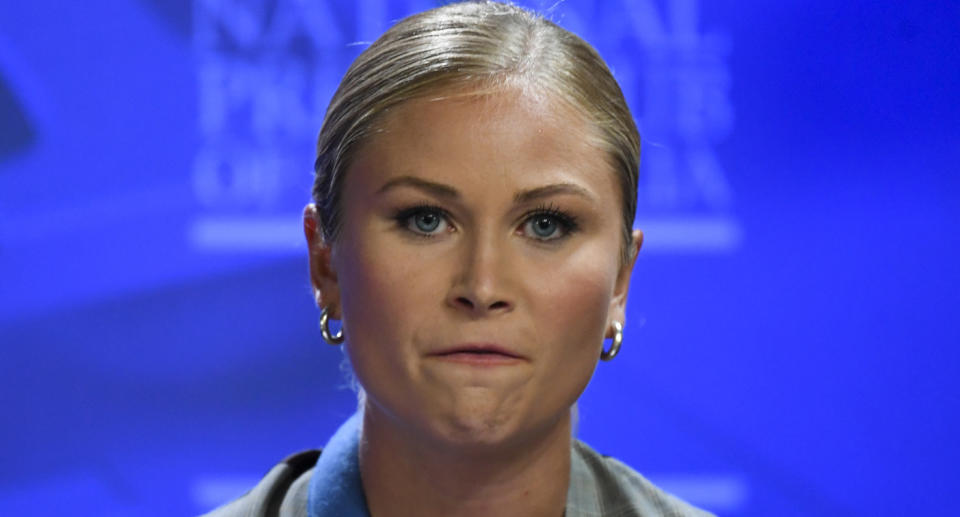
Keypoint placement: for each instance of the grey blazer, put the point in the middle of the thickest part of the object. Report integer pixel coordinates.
(600, 486)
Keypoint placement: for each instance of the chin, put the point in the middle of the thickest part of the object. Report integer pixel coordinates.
(484, 429)
(472, 423)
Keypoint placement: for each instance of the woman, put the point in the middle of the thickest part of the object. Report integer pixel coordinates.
(472, 229)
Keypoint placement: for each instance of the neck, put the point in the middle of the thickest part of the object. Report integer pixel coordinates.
(406, 476)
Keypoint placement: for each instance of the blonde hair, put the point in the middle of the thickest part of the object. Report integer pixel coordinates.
(484, 46)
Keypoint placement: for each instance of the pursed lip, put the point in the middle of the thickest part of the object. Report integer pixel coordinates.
(493, 350)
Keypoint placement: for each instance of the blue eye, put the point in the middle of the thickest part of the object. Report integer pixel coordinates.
(425, 221)
(543, 226)
(547, 224)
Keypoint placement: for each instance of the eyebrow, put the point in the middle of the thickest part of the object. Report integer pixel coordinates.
(551, 190)
(446, 191)
(437, 189)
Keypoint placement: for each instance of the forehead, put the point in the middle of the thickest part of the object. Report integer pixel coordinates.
(513, 139)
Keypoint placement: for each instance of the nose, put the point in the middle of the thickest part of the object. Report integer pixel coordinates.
(481, 284)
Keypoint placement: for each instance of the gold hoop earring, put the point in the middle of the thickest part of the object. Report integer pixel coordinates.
(333, 339)
(607, 355)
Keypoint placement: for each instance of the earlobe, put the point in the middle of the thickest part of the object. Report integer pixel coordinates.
(323, 277)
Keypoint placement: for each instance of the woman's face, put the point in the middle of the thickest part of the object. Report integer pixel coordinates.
(478, 269)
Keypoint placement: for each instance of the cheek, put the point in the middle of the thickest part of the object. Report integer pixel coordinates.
(577, 294)
(572, 307)
(386, 293)
(383, 282)
(369, 287)
(570, 318)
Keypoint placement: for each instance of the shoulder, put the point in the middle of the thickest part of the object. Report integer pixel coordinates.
(282, 492)
(607, 487)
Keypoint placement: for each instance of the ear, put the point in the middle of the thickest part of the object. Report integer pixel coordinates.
(323, 277)
(618, 304)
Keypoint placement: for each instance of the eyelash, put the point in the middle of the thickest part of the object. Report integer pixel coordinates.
(403, 218)
(568, 223)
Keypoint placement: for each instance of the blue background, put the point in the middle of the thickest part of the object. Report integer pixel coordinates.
(792, 341)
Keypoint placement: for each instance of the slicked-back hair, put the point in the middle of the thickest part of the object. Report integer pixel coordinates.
(479, 47)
